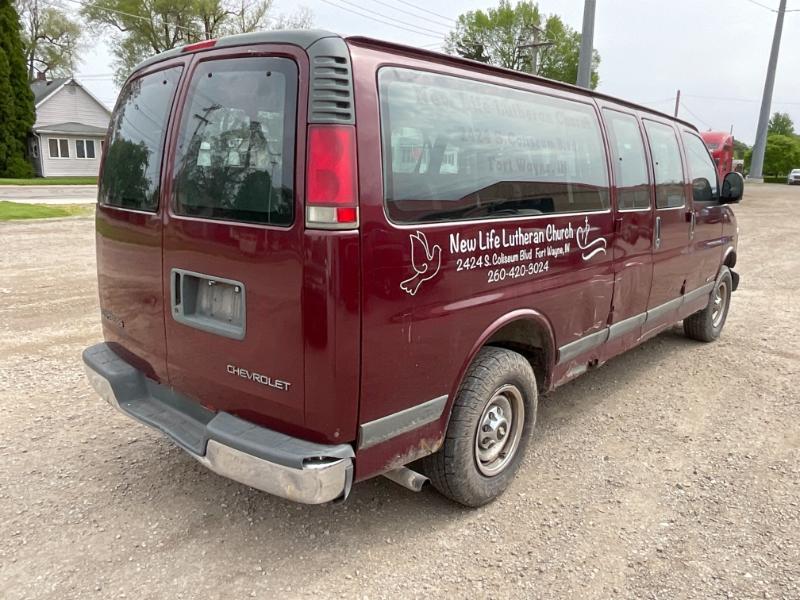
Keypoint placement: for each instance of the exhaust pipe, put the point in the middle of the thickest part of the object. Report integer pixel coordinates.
(407, 478)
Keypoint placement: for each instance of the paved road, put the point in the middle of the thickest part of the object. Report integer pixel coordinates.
(672, 472)
(49, 194)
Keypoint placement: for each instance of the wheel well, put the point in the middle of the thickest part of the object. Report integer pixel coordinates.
(532, 341)
(730, 260)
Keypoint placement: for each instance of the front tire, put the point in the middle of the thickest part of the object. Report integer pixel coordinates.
(492, 419)
(707, 324)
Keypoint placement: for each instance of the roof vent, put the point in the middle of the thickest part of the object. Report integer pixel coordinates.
(330, 97)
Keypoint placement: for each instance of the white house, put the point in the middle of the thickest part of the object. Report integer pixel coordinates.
(69, 131)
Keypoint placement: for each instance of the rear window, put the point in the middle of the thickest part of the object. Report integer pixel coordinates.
(456, 149)
(235, 154)
(132, 166)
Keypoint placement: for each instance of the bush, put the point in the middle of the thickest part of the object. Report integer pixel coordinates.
(18, 168)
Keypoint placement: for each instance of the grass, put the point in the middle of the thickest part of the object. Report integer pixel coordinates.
(12, 211)
(51, 181)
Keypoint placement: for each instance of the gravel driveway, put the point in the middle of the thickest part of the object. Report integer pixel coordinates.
(671, 472)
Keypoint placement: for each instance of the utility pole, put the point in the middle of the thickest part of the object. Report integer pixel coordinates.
(677, 102)
(534, 48)
(757, 166)
(587, 45)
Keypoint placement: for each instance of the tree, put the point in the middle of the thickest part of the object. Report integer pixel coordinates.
(141, 28)
(740, 149)
(780, 124)
(781, 155)
(51, 38)
(16, 97)
(560, 61)
(498, 36)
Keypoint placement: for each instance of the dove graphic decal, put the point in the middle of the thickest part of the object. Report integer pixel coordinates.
(596, 246)
(425, 261)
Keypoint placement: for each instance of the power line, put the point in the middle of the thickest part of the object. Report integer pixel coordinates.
(770, 9)
(127, 14)
(659, 101)
(691, 112)
(412, 15)
(728, 99)
(377, 20)
(430, 12)
(440, 33)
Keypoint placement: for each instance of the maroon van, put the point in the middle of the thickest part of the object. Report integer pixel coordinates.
(322, 259)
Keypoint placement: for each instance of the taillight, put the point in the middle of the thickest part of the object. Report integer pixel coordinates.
(331, 177)
(199, 45)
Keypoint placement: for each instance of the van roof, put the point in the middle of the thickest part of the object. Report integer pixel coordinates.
(307, 37)
(299, 37)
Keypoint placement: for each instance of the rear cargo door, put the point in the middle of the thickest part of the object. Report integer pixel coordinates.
(129, 219)
(233, 237)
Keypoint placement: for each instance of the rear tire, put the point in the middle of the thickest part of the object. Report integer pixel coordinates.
(492, 419)
(707, 324)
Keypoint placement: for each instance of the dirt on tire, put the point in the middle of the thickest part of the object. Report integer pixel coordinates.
(671, 472)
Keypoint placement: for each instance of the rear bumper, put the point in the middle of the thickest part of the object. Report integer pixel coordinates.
(267, 460)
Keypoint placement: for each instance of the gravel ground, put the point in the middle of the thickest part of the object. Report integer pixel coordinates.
(671, 472)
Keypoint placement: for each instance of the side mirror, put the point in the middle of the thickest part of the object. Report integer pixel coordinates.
(732, 188)
(701, 190)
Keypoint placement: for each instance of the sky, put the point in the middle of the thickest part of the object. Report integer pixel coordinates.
(714, 51)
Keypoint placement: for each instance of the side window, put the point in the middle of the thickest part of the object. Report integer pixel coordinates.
(84, 148)
(667, 164)
(132, 168)
(235, 153)
(701, 168)
(59, 148)
(456, 149)
(630, 164)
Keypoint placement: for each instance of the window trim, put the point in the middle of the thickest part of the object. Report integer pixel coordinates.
(611, 137)
(507, 85)
(679, 142)
(58, 141)
(85, 157)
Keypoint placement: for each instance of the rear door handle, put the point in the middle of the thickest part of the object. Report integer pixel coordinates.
(657, 238)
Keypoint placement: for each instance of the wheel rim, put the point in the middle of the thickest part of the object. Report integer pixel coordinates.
(720, 301)
(499, 430)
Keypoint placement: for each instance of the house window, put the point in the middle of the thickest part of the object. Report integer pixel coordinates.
(59, 148)
(84, 148)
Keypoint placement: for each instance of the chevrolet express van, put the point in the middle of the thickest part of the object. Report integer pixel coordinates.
(323, 259)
